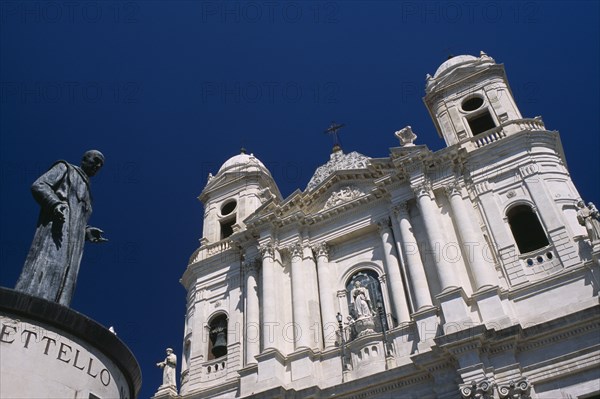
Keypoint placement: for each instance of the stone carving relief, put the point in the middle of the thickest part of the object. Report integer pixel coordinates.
(528, 170)
(423, 189)
(406, 136)
(265, 194)
(338, 161)
(295, 250)
(483, 187)
(520, 389)
(344, 194)
(454, 188)
(321, 250)
(477, 390)
(267, 250)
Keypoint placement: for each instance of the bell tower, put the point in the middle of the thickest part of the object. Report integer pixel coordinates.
(240, 186)
(469, 96)
(213, 342)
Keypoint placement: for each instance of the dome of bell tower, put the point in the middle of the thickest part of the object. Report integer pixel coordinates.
(243, 162)
(242, 184)
(453, 62)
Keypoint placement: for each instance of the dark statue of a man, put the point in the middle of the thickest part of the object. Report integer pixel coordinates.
(52, 264)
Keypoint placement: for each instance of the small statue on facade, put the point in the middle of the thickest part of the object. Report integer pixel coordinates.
(362, 301)
(52, 264)
(588, 216)
(168, 365)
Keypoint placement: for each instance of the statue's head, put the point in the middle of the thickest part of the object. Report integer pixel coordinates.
(357, 283)
(91, 162)
(169, 351)
(581, 204)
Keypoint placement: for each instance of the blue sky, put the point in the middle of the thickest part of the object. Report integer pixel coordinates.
(170, 90)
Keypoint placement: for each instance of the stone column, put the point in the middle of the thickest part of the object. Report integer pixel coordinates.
(252, 313)
(412, 257)
(393, 271)
(301, 320)
(268, 297)
(328, 313)
(445, 270)
(471, 241)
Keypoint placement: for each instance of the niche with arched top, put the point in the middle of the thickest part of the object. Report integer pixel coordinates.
(368, 279)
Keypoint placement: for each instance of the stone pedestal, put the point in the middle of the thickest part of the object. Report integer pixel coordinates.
(364, 325)
(427, 323)
(271, 369)
(248, 379)
(302, 368)
(454, 309)
(166, 392)
(50, 351)
(490, 308)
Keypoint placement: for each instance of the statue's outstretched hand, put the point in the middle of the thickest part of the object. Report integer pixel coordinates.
(94, 234)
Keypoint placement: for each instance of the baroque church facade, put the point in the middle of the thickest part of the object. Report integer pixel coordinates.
(467, 272)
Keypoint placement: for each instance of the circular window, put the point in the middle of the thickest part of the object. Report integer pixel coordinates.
(472, 104)
(228, 207)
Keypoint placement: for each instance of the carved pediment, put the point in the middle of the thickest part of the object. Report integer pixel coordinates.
(342, 195)
(339, 161)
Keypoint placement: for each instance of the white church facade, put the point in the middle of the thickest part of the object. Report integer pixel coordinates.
(468, 272)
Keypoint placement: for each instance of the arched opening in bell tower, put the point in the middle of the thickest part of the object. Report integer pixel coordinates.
(217, 334)
(228, 218)
(526, 228)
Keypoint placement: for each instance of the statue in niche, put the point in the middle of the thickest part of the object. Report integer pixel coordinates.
(588, 216)
(52, 264)
(363, 310)
(168, 365)
(361, 300)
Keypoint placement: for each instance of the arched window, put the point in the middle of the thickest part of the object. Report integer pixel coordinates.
(217, 342)
(357, 309)
(228, 218)
(526, 228)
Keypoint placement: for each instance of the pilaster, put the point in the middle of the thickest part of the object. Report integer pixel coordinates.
(299, 303)
(328, 320)
(312, 295)
(270, 337)
(393, 271)
(252, 313)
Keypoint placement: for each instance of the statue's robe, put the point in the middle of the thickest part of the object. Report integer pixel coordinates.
(52, 264)
(169, 370)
